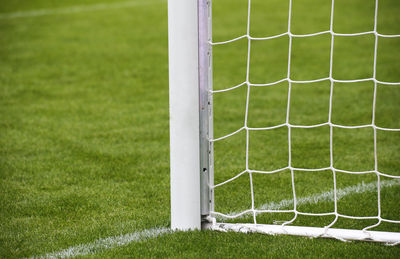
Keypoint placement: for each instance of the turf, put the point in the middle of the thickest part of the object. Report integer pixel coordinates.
(84, 144)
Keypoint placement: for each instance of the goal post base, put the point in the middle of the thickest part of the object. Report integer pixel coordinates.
(207, 222)
(390, 238)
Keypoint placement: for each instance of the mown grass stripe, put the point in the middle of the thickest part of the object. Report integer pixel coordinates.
(77, 9)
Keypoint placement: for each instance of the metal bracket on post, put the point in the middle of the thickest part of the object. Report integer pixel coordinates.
(206, 132)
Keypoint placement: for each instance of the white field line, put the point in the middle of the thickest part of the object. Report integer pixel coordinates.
(324, 196)
(77, 9)
(117, 241)
(106, 243)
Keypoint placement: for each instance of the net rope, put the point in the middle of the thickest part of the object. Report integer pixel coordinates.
(253, 210)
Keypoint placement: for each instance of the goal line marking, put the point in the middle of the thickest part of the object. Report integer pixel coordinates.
(103, 244)
(106, 243)
(77, 9)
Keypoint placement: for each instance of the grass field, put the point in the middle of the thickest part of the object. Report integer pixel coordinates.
(84, 141)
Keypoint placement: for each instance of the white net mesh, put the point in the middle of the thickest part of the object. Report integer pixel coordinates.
(336, 193)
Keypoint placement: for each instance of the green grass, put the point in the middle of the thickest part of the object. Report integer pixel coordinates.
(84, 141)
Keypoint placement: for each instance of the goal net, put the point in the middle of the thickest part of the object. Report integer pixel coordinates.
(313, 149)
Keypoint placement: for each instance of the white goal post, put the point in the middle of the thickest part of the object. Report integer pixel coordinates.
(189, 54)
(191, 129)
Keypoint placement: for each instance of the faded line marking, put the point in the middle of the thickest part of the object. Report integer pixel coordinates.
(324, 196)
(77, 9)
(106, 243)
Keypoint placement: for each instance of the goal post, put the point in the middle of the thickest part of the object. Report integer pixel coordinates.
(189, 57)
(191, 132)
